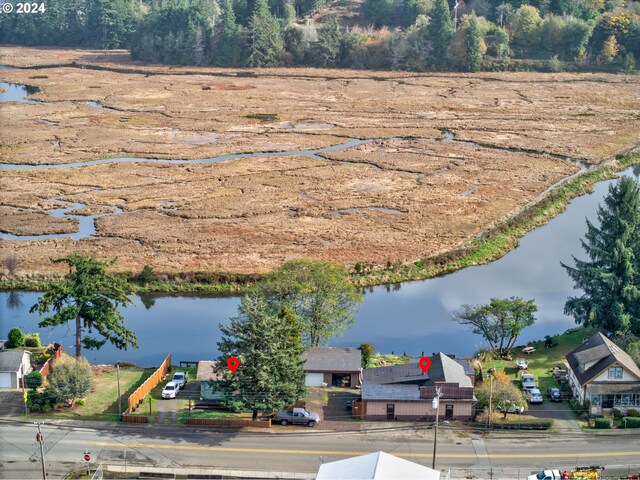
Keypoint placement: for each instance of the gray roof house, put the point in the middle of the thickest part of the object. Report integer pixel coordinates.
(403, 392)
(14, 365)
(336, 366)
(208, 378)
(604, 374)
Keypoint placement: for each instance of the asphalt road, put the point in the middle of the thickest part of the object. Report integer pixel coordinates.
(293, 451)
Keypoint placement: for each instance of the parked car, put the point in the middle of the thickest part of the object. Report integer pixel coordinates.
(522, 364)
(535, 396)
(554, 394)
(546, 475)
(528, 381)
(180, 379)
(297, 416)
(170, 390)
(511, 408)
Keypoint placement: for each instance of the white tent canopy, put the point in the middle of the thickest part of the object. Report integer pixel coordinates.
(378, 466)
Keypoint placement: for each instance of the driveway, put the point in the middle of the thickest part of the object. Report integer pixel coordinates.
(560, 412)
(11, 403)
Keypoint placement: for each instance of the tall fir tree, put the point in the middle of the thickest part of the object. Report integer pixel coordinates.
(266, 46)
(472, 43)
(611, 279)
(440, 31)
(269, 347)
(227, 38)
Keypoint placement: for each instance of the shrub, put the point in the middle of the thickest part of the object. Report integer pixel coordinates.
(602, 423)
(69, 380)
(47, 408)
(367, 350)
(616, 414)
(32, 340)
(630, 422)
(36, 407)
(80, 401)
(15, 338)
(632, 412)
(33, 380)
(542, 424)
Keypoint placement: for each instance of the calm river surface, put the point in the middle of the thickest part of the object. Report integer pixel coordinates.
(413, 317)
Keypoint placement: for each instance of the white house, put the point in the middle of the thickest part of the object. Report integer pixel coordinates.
(604, 374)
(14, 365)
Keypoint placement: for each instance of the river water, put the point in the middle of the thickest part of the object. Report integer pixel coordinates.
(412, 317)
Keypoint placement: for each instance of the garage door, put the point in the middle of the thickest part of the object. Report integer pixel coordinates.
(5, 380)
(314, 379)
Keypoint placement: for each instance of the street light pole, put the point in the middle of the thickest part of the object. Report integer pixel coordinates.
(436, 404)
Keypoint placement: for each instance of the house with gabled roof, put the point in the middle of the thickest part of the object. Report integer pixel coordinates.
(404, 392)
(14, 366)
(601, 372)
(335, 366)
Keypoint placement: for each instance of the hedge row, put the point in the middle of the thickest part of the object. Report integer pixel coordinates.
(630, 422)
(542, 424)
(602, 423)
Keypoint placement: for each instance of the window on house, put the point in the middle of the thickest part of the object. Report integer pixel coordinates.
(615, 372)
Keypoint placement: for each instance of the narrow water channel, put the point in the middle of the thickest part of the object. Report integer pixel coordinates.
(412, 317)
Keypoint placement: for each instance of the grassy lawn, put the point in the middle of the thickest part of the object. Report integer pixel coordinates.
(541, 362)
(102, 402)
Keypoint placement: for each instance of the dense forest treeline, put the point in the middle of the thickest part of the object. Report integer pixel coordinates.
(381, 34)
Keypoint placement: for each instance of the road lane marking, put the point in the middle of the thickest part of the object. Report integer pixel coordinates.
(399, 454)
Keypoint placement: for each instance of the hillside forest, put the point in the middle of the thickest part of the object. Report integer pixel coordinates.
(416, 35)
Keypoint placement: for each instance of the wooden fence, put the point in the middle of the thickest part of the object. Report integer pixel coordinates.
(150, 383)
(48, 365)
(228, 422)
(135, 418)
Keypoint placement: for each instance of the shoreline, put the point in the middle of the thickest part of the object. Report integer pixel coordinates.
(490, 246)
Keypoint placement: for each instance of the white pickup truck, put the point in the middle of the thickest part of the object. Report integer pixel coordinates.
(180, 379)
(546, 475)
(528, 381)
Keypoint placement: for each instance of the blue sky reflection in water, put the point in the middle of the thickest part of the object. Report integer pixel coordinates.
(414, 318)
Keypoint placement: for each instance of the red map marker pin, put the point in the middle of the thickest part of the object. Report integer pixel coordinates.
(233, 363)
(425, 364)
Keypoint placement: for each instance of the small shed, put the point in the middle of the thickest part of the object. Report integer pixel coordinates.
(375, 466)
(207, 379)
(14, 365)
(335, 366)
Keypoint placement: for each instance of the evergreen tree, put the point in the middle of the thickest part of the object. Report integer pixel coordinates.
(266, 46)
(378, 12)
(90, 296)
(440, 31)
(268, 345)
(611, 279)
(227, 41)
(472, 44)
(328, 46)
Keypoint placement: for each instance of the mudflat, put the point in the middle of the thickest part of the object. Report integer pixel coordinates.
(446, 157)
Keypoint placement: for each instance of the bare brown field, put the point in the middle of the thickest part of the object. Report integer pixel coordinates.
(389, 200)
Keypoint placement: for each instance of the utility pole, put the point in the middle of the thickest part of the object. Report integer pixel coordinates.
(436, 404)
(119, 397)
(490, 398)
(39, 440)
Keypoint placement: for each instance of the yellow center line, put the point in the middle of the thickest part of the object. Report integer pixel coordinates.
(331, 452)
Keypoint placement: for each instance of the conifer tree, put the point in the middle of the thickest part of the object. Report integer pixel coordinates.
(440, 31)
(266, 46)
(227, 45)
(472, 44)
(268, 345)
(611, 279)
